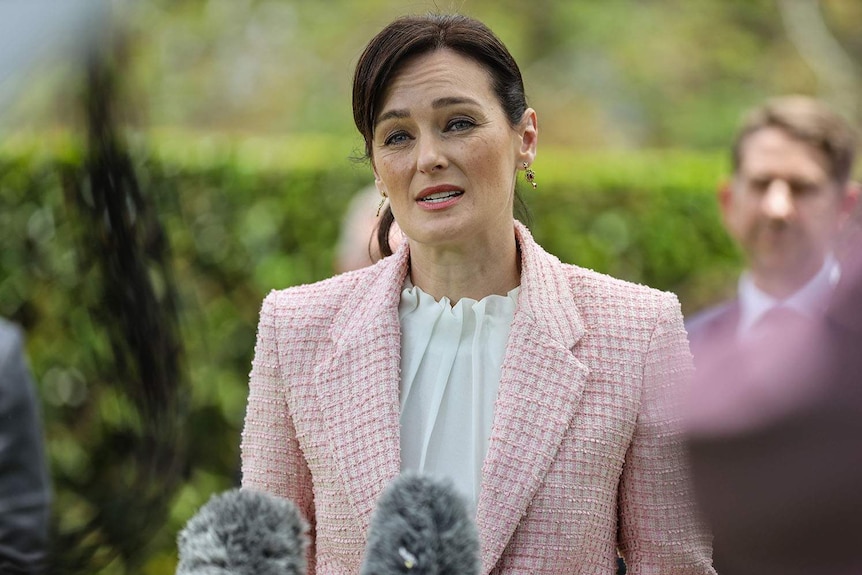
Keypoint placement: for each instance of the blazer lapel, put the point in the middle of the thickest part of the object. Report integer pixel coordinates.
(540, 388)
(357, 387)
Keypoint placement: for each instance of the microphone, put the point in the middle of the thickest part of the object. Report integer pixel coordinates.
(421, 526)
(244, 532)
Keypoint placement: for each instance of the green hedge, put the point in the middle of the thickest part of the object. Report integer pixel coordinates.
(648, 217)
(242, 219)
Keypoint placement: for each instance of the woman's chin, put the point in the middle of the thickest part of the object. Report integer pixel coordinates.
(441, 233)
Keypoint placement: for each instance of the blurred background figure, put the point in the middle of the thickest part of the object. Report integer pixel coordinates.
(25, 493)
(782, 492)
(357, 239)
(775, 418)
(789, 195)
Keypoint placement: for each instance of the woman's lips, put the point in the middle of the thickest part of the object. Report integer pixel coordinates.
(439, 197)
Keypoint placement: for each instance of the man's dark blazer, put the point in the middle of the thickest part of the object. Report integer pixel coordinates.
(24, 483)
(782, 494)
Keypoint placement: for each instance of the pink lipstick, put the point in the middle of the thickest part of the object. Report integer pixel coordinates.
(439, 197)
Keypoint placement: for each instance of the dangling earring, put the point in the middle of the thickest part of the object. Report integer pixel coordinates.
(530, 176)
(380, 205)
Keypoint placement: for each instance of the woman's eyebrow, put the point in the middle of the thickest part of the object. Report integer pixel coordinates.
(436, 104)
(392, 114)
(452, 101)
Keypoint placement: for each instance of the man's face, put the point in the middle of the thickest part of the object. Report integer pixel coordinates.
(783, 209)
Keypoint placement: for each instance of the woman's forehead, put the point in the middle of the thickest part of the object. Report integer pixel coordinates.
(437, 76)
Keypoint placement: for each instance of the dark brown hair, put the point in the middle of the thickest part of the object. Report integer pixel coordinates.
(809, 121)
(411, 36)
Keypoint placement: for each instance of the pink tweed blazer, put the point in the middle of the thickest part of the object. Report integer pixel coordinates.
(584, 458)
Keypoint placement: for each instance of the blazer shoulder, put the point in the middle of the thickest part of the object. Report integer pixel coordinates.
(604, 289)
(314, 300)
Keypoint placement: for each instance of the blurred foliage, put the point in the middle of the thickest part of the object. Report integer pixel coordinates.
(613, 74)
(648, 217)
(234, 233)
(239, 226)
(128, 292)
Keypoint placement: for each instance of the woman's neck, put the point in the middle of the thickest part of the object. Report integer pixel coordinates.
(457, 272)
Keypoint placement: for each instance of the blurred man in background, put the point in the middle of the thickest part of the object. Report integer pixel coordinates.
(777, 468)
(788, 197)
(775, 416)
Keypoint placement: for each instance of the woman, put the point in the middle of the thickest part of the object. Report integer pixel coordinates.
(536, 386)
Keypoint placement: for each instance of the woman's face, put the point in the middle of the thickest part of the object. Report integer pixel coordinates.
(445, 153)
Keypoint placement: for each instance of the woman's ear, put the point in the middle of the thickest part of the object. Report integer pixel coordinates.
(381, 187)
(528, 130)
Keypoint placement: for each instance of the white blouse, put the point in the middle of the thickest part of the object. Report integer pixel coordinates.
(451, 360)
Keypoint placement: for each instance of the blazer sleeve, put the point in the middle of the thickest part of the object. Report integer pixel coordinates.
(660, 530)
(272, 460)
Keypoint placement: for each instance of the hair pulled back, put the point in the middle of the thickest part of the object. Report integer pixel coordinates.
(411, 36)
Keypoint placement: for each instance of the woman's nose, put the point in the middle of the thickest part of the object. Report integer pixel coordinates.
(431, 156)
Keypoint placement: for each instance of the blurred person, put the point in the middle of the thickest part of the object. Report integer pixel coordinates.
(538, 388)
(789, 195)
(774, 415)
(778, 460)
(24, 481)
(358, 245)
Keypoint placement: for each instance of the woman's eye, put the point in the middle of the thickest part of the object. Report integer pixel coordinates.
(396, 138)
(460, 124)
